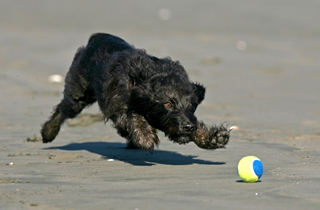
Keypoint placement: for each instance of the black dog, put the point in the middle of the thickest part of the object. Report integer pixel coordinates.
(138, 92)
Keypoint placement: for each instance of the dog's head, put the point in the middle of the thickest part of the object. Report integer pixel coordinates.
(169, 102)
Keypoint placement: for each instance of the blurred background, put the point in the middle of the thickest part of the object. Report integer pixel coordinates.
(260, 62)
(258, 59)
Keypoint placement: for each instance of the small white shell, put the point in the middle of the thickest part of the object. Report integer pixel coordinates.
(55, 78)
(113, 160)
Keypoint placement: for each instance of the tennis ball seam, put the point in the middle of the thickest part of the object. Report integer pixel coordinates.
(252, 169)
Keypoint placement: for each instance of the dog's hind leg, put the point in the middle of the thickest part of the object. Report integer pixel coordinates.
(67, 108)
(77, 95)
(52, 127)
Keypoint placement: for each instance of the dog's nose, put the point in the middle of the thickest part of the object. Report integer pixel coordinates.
(188, 127)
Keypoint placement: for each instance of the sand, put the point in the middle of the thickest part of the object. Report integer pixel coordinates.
(259, 61)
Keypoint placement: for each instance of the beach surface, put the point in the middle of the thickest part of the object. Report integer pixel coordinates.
(260, 62)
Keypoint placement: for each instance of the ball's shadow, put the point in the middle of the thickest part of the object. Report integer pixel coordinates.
(113, 150)
(241, 181)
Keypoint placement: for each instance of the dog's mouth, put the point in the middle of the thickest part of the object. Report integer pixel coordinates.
(180, 137)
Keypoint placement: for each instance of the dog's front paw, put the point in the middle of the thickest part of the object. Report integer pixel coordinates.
(143, 138)
(144, 142)
(213, 137)
(220, 136)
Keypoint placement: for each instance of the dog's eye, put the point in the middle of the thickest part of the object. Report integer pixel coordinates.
(190, 105)
(168, 105)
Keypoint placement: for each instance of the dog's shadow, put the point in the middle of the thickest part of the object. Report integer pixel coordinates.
(118, 151)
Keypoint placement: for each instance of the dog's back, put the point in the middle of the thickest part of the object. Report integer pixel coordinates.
(109, 43)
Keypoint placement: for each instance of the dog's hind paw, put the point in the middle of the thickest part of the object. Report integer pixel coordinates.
(213, 137)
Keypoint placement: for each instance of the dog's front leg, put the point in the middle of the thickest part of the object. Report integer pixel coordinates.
(211, 138)
(136, 129)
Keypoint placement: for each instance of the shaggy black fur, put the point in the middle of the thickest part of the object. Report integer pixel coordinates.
(138, 92)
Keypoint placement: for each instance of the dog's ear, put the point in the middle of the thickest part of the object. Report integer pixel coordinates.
(199, 91)
(141, 98)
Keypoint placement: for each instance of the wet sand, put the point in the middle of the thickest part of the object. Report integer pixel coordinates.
(259, 61)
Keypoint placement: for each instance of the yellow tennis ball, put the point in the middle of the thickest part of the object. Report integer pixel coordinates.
(250, 169)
